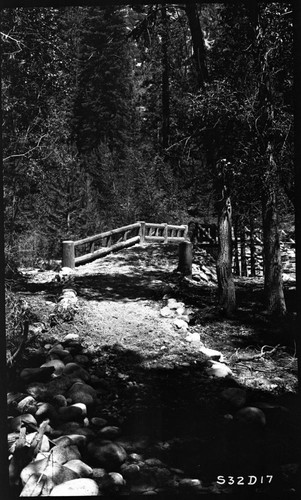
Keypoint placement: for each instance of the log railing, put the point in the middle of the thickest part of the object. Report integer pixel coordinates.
(94, 247)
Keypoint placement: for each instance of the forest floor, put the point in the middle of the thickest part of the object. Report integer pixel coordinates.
(157, 387)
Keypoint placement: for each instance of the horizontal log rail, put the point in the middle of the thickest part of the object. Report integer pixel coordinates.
(99, 245)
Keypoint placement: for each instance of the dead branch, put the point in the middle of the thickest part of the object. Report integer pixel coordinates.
(262, 354)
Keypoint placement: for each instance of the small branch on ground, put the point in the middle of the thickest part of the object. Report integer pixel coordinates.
(262, 354)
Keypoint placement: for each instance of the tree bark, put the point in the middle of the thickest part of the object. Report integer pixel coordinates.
(198, 43)
(252, 248)
(273, 285)
(226, 288)
(165, 81)
(244, 268)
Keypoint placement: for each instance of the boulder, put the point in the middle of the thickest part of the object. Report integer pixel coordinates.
(71, 337)
(82, 359)
(38, 391)
(77, 371)
(62, 454)
(40, 374)
(106, 454)
(16, 422)
(234, 396)
(250, 417)
(110, 432)
(78, 466)
(73, 413)
(57, 364)
(59, 400)
(219, 370)
(166, 312)
(180, 324)
(212, 353)
(46, 410)
(76, 487)
(27, 405)
(44, 446)
(193, 337)
(54, 471)
(98, 422)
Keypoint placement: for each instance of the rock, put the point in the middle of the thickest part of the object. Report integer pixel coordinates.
(180, 311)
(38, 391)
(86, 431)
(35, 486)
(98, 422)
(99, 473)
(82, 393)
(79, 440)
(12, 401)
(130, 471)
(114, 482)
(45, 445)
(219, 370)
(46, 410)
(193, 337)
(59, 400)
(62, 454)
(76, 371)
(76, 487)
(180, 324)
(27, 405)
(41, 374)
(276, 415)
(54, 471)
(78, 466)
(190, 485)
(135, 457)
(72, 412)
(234, 396)
(69, 427)
(59, 351)
(212, 353)
(106, 454)
(16, 422)
(110, 432)
(166, 312)
(154, 462)
(71, 336)
(82, 359)
(57, 365)
(83, 408)
(250, 417)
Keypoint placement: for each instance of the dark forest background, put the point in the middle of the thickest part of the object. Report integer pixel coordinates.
(124, 113)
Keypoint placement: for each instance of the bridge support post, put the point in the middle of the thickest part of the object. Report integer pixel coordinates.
(68, 259)
(142, 232)
(185, 258)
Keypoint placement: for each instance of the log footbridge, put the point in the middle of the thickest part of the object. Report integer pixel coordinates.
(91, 248)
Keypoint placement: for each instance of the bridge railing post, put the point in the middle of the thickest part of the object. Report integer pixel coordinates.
(165, 233)
(142, 232)
(68, 259)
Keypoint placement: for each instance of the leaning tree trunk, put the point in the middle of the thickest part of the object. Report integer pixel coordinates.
(227, 300)
(273, 285)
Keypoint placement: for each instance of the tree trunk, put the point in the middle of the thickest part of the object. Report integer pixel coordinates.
(252, 248)
(273, 285)
(236, 253)
(198, 43)
(244, 268)
(165, 81)
(227, 300)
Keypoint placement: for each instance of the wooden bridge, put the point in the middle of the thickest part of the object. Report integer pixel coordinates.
(93, 247)
(203, 235)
